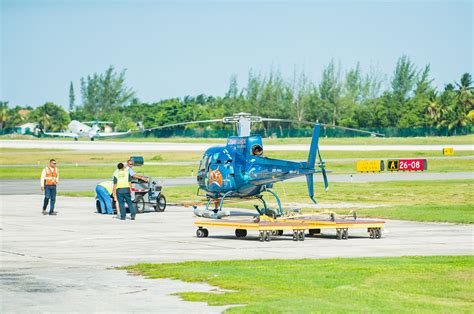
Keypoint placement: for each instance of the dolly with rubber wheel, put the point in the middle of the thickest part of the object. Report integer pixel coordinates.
(202, 233)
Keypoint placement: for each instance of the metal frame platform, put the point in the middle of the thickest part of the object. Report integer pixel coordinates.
(298, 225)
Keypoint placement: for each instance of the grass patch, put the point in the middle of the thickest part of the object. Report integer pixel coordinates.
(331, 154)
(436, 213)
(77, 194)
(406, 200)
(100, 165)
(384, 285)
(95, 172)
(438, 201)
(41, 156)
(157, 158)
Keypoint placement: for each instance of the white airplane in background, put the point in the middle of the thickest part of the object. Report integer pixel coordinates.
(80, 129)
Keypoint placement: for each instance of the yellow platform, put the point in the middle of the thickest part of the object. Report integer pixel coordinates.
(297, 224)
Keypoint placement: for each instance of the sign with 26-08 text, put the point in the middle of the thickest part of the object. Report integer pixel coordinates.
(407, 164)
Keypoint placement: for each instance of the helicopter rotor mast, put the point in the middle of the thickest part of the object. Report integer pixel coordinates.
(243, 121)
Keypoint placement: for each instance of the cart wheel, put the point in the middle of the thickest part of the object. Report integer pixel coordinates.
(371, 233)
(139, 203)
(277, 233)
(262, 236)
(268, 236)
(345, 234)
(378, 233)
(97, 206)
(240, 233)
(339, 233)
(202, 233)
(301, 235)
(280, 232)
(160, 204)
(295, 235)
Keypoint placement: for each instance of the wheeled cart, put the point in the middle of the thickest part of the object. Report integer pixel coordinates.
(297, 225)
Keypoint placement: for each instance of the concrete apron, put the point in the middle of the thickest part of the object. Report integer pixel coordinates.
(62, 263)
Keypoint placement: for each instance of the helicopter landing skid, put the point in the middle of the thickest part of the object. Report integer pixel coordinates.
(217, 211)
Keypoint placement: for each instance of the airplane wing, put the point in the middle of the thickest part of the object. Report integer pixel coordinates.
(63, 134)
(111, 134)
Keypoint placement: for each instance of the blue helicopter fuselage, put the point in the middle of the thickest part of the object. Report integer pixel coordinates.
(237, 171)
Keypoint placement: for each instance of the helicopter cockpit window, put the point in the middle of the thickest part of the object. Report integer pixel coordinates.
(257, 150)
(204, 161)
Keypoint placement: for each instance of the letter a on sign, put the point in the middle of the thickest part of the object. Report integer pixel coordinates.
(392, 165)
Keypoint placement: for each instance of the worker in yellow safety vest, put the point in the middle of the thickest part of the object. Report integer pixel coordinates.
(122, 193)
(104, 191)
(49, 182)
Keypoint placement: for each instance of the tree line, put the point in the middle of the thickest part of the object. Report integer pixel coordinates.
(346, 98)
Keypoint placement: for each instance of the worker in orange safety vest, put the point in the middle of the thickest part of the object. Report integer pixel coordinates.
(49, 182)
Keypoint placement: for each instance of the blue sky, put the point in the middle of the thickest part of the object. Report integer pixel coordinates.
(173, 49)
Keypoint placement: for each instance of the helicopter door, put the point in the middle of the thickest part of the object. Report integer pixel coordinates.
(214, 174)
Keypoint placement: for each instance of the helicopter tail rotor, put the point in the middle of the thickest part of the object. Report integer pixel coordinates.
(323, 171)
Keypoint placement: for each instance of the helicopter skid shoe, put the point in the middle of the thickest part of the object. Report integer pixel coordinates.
(211, 214)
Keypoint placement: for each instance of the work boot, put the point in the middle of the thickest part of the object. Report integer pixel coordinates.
(133, 218)
(44, 212)
(53, 213)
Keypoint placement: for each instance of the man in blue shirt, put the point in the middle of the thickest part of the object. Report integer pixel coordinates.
(132, 173)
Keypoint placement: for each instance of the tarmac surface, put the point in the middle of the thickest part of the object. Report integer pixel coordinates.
(31, 186)
(64, 263)
(159, 146)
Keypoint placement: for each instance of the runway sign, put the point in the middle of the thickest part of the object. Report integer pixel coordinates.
(448, 151)
(370, 165)
(407, 164)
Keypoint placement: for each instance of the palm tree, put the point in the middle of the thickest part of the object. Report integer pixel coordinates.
(465, 95)
(433, 109)
(3, 114)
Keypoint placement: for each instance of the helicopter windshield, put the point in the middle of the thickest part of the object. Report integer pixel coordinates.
(204, 162)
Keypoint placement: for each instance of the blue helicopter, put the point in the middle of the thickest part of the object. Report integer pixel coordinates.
(240, 170)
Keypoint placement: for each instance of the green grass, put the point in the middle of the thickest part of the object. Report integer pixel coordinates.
(77, 194)
(94, 172)
(28, 156)
(441, 284)
(439, 201)
(34, 156)
(96, 169)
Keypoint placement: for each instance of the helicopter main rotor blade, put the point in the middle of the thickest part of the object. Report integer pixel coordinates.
(182, 123)
(324, 124)
(97, 122)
